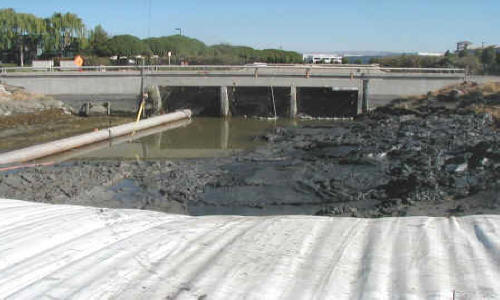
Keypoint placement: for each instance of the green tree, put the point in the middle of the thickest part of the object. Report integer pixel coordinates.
(126, 45)
(488, 57)
(19, 30)
(65, 30)
(177, 44)
(470, 62)
(98, 38)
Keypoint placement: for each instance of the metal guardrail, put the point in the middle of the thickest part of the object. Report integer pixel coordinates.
(255, 68)
(255, 71)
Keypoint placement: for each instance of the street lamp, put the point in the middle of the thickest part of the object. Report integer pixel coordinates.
(179, 29)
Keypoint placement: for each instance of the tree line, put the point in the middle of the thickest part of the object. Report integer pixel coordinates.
(25, 37)
(477, 61)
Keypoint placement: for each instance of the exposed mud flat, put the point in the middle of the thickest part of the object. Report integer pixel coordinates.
(22, 130)
(410, 158)
(27, 119)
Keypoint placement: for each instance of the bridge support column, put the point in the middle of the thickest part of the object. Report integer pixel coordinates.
(224, 102)
(359, 108)
(365, 102)
(293, 102)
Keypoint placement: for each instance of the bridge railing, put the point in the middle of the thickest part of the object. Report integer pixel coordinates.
(305, 69)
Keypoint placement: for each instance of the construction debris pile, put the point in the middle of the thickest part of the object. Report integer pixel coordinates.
(14, 100)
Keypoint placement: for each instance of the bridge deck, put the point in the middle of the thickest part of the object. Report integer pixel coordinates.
(127, 80)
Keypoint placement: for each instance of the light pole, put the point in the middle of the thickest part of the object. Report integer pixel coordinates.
(180, 30)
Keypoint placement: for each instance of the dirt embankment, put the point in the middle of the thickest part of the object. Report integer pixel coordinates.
(478, 97)
(15, 101)
(437, 155)
(28, 119)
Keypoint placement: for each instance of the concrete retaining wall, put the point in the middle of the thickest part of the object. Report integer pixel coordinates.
(77, 85)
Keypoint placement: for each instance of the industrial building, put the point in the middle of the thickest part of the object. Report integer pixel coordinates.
(324, 58)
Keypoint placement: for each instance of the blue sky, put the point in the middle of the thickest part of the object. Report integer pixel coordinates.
(382, 25)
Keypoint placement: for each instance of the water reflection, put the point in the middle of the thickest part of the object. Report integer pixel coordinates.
(201, 137)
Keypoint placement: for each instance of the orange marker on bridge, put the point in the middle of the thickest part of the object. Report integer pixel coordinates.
(78, 61)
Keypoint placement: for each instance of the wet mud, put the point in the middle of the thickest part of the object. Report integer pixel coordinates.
(22, 130)
(429, 158)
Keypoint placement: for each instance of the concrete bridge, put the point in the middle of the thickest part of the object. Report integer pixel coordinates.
(369, 82)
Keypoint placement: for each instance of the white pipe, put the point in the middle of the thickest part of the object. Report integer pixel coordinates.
(60, 157)
(38, 151)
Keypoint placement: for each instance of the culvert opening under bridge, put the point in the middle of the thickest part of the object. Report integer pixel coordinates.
(258, 101)
(202, 101)
(327, 102)
(262, 101)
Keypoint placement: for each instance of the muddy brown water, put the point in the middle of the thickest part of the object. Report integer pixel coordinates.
(198, 138)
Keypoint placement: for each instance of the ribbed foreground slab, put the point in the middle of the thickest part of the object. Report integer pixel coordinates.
(52, 251)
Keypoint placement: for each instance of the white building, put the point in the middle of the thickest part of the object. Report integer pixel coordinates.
(430, 54)
(326, 58)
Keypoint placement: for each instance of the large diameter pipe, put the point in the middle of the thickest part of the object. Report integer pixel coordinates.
(60, 157)
(62, 145)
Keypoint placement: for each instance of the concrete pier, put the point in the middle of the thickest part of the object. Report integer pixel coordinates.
(293, 102)
(359, 108)
(365, 95)
(224, 102)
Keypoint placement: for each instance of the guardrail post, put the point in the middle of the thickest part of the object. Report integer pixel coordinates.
(224, 102)
(256, 73)
(293, 102)
(308, 73)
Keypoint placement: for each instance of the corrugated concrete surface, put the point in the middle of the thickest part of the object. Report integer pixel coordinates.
(63, 252)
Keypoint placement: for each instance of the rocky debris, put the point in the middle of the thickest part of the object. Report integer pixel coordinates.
(14, 107)
(453, 95)
(14, 100)
(94, 109)
(4, 92)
